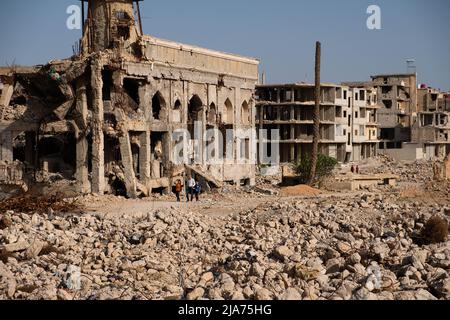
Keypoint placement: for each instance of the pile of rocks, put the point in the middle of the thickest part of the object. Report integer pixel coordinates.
(330, 248)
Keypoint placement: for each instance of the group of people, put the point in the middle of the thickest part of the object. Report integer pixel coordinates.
(355, 169)
(193, 189)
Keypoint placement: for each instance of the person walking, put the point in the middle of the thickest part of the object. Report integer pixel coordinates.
(197, 190)
(190, 189)
(178, 189)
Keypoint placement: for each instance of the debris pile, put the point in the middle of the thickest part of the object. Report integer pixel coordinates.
(324, 248)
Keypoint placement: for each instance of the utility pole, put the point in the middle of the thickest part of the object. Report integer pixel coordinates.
(316, 117)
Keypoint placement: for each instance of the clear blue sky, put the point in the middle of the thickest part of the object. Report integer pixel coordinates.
(280, 33)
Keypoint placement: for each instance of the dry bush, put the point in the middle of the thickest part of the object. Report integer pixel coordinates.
(435, 230)
(33, 204)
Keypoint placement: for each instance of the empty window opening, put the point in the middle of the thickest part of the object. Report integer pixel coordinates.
(19, 147)
(362, 94)
(58, 154)
(211, 116)
(176, 116)
(195, 109)
(157, 153)
(123, 32)
(158, 106)
(338, 112)
(387, 104)
(427, 120)
(131, 87)
(387, 134)
(246, 113)
(122, 15)
(229, 114)
(386, 90)
(107, 84)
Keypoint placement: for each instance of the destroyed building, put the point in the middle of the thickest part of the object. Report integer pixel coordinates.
(433, 126)
(413, 121)
(348, 120)
(397, 94)
(105, 117)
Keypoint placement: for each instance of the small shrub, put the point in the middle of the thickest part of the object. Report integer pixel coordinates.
(325, 166)
(435, 230)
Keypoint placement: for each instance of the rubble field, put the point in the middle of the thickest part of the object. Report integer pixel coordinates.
(249, 243)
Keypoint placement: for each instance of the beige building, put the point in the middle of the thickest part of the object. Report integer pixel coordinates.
(397, 96)
(107, 117)
(348, 120)
(433, 126)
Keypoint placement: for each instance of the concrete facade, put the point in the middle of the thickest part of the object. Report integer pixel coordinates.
(432, 128)
(115, 106)
(348, 128)
(397, 95)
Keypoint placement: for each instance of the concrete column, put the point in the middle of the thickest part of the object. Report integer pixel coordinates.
(81, 104)
(127, 162)
(82, 145)
(292, 150)
(98, 154)
(145, 158)
(82, 169)
(145, 102)
(7, 92)
(6, 146)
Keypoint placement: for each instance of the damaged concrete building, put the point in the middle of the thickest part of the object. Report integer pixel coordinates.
(105, 117)
(413, 121)
(397, 95)
(433, 126)
(348, 128)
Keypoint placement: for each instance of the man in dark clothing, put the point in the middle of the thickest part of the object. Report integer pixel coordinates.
(197, 190)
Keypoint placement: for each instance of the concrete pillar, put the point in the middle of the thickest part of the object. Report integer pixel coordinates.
(81, 104)
(5, 97)
(6, 147)
(145, 158)
(82, 145)
(98, 154)
(127, 162)
(82, 169)
(145, 102)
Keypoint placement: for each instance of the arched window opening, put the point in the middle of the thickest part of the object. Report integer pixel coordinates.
(229, 114)
(245, 115)
(158, 106)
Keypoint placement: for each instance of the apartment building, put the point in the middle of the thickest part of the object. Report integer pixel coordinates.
(397, 96)
(365, 127)
(432, 129)
(348, 120)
